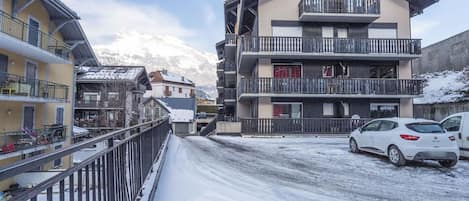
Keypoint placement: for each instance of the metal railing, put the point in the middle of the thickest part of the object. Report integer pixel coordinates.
(99, 104)
(209, 128)
(255, 126)
(221, 65)
(230, 93)
(230, 66)
(116, 173)
(13, 141)
(273, 44)
(340, 6)
(22, 31)
(357, 86)
(14, 85)
(99, 123)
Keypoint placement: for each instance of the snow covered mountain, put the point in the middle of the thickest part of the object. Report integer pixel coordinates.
(157, 52)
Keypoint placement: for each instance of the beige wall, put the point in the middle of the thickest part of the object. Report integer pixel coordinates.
(265, 108)
(407, 107)
(269, 10)
(393, 11)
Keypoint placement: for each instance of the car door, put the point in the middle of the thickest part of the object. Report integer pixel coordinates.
(382, 137)
(366, 134)
(453, 125)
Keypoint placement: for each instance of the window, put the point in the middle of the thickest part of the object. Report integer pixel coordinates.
(292, 31)
(287, 71)
(287, 110)
(389, 72)
(373, 126)
(381, 110)
(180, 91)
(166, 88)
(91, 97)
(59, 115)
(387, 126)
(113, 96)
(338, 109)
(452, 124)
(174, 88)
(388, 33)
(328, 71)
(426, 127)
(328, 109)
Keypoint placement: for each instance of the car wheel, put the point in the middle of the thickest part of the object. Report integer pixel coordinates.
(395, 156)
(354, 146)
(448, 163)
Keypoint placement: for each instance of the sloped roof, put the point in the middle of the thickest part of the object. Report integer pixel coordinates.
(180, 109)
(71, 32)
(170, 77)
(114, 73)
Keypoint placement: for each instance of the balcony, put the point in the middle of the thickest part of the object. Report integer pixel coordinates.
(16, 143)
(355, 11)
(15, 36)
(327, 126)
(230, 67)
(230, 46)
(220, 83)
(19, 88)
(230, 95)
(221, 66)
(92, 104)
(330, 88)
(253, 48)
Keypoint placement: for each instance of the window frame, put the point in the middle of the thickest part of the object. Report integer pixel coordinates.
(447, 120)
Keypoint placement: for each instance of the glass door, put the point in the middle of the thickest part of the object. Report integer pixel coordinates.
(33, 32)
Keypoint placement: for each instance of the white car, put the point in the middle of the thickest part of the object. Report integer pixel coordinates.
(403, 139)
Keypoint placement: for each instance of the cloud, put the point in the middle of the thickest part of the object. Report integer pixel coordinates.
(209, 15)
(101, 23)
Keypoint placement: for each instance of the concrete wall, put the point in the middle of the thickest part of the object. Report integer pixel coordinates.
(449, 54)
(440, 111)
(228, 127)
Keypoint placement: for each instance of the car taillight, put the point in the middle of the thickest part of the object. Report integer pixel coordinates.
(452, 138)
(410, 137)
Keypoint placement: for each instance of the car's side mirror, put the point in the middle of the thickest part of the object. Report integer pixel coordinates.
(360, 130)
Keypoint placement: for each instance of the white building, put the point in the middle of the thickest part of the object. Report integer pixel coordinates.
(169, 85)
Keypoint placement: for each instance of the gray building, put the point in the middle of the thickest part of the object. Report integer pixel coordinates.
(309, 66)
(449, 54)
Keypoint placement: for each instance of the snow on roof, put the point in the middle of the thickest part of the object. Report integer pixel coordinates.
(171, 77)
(179, 113)
(110, 73)
(181, 116)
(444, 87)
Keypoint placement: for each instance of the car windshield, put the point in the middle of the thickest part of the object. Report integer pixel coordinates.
(426, 127)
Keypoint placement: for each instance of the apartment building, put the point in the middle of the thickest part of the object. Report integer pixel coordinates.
(169, 85)
(317, 66)
(40, 43)
(110, 98)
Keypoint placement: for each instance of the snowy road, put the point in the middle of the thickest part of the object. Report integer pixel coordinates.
(297, 169)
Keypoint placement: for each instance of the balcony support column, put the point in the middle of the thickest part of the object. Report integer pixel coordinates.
(17, 8)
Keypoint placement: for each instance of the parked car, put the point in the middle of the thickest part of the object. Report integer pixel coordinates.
(458, 126)
(406, 139)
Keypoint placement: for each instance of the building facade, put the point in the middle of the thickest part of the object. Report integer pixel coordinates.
(317, 66)
(154, 109)
(40, 43)
(110, 98)
(169, 85)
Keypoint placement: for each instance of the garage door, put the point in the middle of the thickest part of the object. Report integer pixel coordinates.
(181, 128)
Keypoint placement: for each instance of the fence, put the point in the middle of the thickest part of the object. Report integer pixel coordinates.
(115, 174)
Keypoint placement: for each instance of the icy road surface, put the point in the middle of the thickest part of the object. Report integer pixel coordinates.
(297, 169)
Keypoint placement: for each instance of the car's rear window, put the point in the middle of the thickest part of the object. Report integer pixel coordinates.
(426, 127)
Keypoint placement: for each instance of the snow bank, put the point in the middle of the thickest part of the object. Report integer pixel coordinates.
(444, 87)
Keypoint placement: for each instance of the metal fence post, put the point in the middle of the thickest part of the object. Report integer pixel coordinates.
(110, 169)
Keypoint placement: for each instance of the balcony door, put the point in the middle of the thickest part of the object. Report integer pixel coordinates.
(33, 32)
(287, 117)
(28, 117)
(288, 38)
(287, 78)
(3, 68)
(31, 76)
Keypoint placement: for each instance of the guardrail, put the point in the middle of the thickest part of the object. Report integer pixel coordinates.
(21, 31)
(231, 39)
(255, 126)
(411, 87)
(274, 44)
(15, 85)
(116, 173)
(340, 6)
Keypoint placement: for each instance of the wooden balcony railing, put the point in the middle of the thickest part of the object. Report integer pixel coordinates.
(14, 85)
(20, 30)
(255, 126)
(271, 44)
(99, 104)
(340, 6)
(410, 87)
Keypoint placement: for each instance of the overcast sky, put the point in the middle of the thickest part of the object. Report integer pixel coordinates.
(200, 22)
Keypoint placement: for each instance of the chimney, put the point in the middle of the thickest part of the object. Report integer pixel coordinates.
(165, 71)
(182, 78)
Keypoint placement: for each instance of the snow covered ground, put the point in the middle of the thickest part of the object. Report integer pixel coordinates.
(297, 169)
(444, 87)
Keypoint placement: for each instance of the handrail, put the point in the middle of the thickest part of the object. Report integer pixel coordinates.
(22, 86)
(147, 136)
(276, 44)
(367, 86)
(19, 30)
(340, 6)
